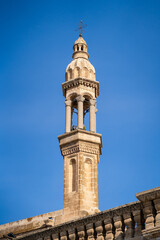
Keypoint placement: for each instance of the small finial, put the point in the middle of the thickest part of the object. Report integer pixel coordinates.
(81, 27)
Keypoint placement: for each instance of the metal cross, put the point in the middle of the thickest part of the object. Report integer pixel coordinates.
(81, 27)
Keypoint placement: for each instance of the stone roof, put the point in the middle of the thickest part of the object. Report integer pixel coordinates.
(80, 40)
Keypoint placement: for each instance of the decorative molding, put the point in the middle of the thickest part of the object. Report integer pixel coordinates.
(76, 224)
(88, 148)
(80, 81)
(149, 195)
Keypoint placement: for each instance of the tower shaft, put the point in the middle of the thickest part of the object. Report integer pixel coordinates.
(80, 147)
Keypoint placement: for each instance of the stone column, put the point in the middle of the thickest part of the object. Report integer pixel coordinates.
(90, 231)
(109, 229)
(92, 119)
(148, 213)
(138, 222)
(55, 236)
(118, 227)
(128, 225)
(99, 230)
(68, 115)
(80, 100)
(71, 233)
(157, 207)
(81, 232)
(63, 235)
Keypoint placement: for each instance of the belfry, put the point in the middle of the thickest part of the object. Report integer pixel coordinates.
(80, 147)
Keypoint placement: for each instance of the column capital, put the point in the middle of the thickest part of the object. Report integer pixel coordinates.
(80, 98)
(92, 101)
(68, 102)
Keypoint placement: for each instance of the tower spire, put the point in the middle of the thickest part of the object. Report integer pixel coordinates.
(81, 27)
(80, 146)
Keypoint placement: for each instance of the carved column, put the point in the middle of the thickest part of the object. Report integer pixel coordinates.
(80, 100)
(128, 225)
(138, 223)
(99, 230)
(92, 119)
(68, 115)
(148, 212)
(81, 232)
(118, 227)
(63, 235)
(90, 231)
(55, 236)
(71, 233)
(109, 229)
(157, 207)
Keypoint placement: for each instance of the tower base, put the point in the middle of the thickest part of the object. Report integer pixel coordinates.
(81, 151)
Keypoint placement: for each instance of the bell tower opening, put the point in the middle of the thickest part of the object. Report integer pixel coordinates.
(86, 113)
(74, 114)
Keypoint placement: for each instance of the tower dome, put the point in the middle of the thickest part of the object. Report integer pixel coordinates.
(80, 67)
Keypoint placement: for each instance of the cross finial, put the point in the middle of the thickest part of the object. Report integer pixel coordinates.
(81, 27)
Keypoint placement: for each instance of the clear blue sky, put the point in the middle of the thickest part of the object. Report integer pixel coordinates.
(36, 40)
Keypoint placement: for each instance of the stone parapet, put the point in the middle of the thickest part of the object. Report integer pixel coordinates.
(30, 224)
(151, 209)
(125, 222)
(81, 82)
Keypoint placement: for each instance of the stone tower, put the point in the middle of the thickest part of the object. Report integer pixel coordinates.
(80, 147)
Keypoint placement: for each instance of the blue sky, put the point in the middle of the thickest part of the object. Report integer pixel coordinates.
(36, 40)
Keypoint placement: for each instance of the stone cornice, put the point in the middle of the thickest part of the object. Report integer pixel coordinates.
(80, 81)
(80, 141)
(108, 214)
(74, 132)
(81, 147)
(149, 194)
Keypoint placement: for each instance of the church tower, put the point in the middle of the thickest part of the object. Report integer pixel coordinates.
(80, 147)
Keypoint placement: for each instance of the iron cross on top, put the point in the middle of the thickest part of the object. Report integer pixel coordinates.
(81, 27)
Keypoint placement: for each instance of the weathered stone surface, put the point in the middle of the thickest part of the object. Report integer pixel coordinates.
(109, 224)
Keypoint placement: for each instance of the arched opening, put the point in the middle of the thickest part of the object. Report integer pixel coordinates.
(72, 175)
(86, 112)
(74, 121)
(82, 48)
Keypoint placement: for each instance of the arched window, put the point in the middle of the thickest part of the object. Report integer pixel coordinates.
(74, 113)
(72, 175)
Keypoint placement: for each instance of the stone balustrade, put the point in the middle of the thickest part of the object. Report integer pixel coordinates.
(137, 220)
